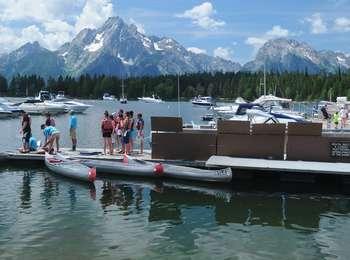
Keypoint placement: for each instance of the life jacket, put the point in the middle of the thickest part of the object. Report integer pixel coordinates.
(107, 126)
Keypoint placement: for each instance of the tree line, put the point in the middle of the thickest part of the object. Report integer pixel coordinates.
(298, 86)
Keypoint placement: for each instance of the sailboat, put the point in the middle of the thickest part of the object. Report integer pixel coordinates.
(123, 99)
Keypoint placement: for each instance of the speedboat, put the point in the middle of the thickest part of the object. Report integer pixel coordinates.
(109, 97)
(203, 101)
(5, 113)
(8, 106)
(34, 106)
(152, 99)
(70, 104)
(258, 114)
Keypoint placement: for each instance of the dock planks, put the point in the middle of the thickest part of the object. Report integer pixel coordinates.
(258, 165)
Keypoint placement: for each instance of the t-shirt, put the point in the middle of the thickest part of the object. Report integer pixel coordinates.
(73, 122)
(33, 144)
(49, 131)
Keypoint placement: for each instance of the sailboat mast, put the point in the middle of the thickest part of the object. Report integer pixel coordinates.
(178, 95)
(264, 79)
(122, 88)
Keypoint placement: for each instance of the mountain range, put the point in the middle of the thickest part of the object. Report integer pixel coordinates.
(117, 48)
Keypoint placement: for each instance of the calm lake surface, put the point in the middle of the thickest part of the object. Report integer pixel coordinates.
(48, 217)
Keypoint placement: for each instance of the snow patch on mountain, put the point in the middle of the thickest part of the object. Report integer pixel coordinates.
(96, 44)
(129, 62)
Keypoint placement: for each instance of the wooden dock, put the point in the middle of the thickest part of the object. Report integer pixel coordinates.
(95, 154)
(258, 165)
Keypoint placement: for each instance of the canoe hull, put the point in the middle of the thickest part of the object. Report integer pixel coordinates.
(148, 169)
(71, 169)
(118, 167)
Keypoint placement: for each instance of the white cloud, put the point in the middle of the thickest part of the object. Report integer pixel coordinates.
(94, 14)
(342, 24)
(51, 23)
(224, 53)
(201, 15)
(276, 32)
(140, 27)
(37, 10)
(317, 24)
(196, 50)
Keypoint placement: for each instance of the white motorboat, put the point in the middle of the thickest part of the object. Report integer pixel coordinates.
(203, 101)
(5, 113)
(34, 106)
(109, 97)
(152, 99)
(71, 105)
(258, 114)
(8, 106)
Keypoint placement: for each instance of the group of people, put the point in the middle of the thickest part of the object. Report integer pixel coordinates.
(122, 129)
(338, 118)
(50, 132)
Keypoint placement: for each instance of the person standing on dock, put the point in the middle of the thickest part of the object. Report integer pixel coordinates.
(107, 130)
(73, 124)
(132, 131)
(336, 119)
(140, 133)
(326, 115)
(49, 120)
(344, 117)
(26, 132)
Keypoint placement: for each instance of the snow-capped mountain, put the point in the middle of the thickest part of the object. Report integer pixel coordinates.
(290, 55)
(119, 49)
(115, 48)
(30, 59)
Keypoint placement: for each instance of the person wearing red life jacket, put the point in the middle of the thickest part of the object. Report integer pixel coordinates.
(107, 131)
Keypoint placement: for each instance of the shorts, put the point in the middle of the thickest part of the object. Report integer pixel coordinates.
(107, 134)
(73, 133)
(26, 136)
(141, 134)
(126, 137)
(133, 134)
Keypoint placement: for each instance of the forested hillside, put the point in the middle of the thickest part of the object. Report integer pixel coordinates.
(298, 86)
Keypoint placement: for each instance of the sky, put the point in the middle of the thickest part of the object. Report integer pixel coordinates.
(230, 29)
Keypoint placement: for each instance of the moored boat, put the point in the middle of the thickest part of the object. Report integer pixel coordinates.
(107, 96)
(203, 101)
(68, 168)
(152, 99)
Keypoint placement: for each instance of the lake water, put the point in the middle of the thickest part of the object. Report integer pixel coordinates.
(47, 217)
(89, 123)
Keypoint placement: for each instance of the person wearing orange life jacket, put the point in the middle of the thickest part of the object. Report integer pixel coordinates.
(107, 130)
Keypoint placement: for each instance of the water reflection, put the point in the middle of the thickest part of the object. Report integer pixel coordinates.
(26, 191)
